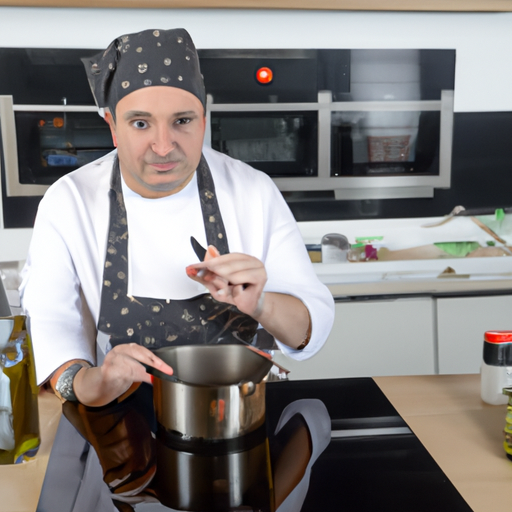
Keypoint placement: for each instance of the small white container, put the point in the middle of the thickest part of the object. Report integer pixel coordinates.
(334, 248)
(496, 370)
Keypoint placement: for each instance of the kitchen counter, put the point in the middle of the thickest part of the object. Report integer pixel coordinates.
(413, 269)
(427, 277)
(422, 286)
(461, 433)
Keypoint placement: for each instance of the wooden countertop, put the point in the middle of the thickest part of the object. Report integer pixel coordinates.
(462, 433)
(20, 484)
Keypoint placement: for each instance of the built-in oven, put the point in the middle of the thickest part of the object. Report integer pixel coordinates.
(49, 125)
(279, 143)
(366, 124)
(262, 108)
(44, 142)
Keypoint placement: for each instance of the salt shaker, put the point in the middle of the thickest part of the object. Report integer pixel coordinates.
(496, 370)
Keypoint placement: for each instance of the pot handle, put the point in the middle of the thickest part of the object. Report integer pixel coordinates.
(159, 374)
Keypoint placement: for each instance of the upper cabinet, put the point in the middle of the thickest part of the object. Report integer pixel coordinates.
(349, 5)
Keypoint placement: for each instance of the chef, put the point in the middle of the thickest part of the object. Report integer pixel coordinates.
(111, 274)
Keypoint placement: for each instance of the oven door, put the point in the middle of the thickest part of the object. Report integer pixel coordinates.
(42, 143)
(279, 143)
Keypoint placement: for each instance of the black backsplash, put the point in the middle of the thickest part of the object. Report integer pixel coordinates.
(481, 177)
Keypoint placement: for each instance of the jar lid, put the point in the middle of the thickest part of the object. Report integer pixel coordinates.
(498, 336)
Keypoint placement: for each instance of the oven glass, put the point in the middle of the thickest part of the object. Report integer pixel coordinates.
(277, 143)
(385, 143)
(51, 144)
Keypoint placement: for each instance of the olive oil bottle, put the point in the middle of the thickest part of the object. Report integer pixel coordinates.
(19, 415)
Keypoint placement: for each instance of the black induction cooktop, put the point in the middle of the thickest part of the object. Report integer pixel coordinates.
(373, 463)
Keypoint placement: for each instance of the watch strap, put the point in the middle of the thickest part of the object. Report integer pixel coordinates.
(64, 385)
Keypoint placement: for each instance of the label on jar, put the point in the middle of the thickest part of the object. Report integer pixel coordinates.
(508, 377)
(493, 380)
(333, 254)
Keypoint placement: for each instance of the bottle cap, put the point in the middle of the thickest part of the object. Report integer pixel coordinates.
(498, 348)
(498, 336)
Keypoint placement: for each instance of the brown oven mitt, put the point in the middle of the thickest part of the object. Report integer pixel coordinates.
(120, 432)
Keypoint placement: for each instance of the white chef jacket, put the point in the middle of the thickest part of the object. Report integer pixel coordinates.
(62, 278)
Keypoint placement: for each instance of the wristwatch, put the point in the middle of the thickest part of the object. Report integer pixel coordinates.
(64, 385)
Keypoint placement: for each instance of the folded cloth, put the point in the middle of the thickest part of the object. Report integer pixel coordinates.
(318, 421)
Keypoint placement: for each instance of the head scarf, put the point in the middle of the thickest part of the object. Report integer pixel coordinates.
(144, 59)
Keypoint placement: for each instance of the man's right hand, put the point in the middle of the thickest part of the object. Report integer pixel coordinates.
(122, 367)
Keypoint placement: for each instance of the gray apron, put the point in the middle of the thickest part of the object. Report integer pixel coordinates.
(81, 479)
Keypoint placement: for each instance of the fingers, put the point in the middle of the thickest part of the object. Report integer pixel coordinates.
(235, 278)
(124, 364)
(143, 355)
(211, 281)
(211, 252)
(234, 268)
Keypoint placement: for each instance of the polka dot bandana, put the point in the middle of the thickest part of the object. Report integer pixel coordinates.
(145, 59)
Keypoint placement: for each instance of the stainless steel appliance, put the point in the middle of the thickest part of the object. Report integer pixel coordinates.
(49, 125)
(49, 120)
(366, 124)
(51, 140)
(261, 108)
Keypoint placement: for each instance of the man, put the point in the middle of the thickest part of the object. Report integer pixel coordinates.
(111, 274)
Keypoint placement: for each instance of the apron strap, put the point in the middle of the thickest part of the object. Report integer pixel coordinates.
(213, 223)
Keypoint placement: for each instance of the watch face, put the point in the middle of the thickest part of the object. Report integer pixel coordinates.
(67, 386)
(64, 384)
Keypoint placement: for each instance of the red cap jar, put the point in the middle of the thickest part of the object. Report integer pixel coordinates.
(496, 371)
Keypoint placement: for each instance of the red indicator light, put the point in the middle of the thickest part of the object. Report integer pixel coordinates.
(264, 75)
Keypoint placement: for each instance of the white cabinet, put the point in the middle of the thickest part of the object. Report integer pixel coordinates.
(462, 323)
(373, 338)
(406, 336)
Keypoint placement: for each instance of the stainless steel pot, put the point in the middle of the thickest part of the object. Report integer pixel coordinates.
(211, 438)
(216, 391)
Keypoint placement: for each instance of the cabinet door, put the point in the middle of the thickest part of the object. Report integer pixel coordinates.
(462, 322)
(373, 338)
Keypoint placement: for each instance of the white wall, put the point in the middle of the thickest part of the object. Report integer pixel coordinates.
(483, 41)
